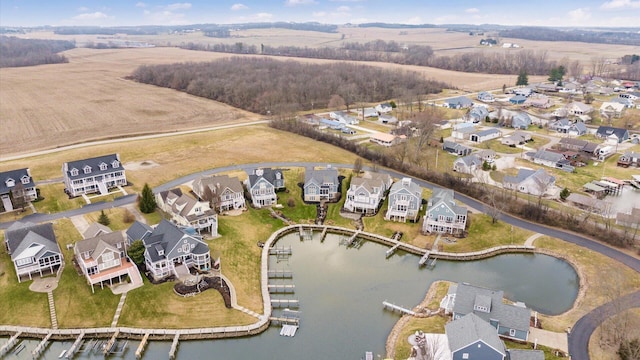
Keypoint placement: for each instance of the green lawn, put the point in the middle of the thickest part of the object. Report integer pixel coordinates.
(549, 354)
(483, 234)
(430, 325)
(55, 199)
(153, 218)
(115, 215)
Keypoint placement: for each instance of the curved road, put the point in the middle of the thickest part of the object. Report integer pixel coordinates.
(582, 330)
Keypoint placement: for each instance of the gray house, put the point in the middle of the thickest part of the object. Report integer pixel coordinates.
(521, 121)
(511, 321)
(455, 148)
(137, 231)
(8, 182)
(93, 175)
(535, 182)
(321, 185)
(470, 337)
(262, 186)
(228, 190)
(366, 193)
(612, 134)
(405, 201)
(443, 215)
(467, 164)
(33, 249)
(460, 102)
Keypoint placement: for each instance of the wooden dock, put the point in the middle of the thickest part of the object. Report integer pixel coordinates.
(10, 344)
(281, 288)
(285, 320)
(76, 344)
(280, 274)
(174, 346)
(288, 330)
(294, 303)
(141, 347)
(424, 259)
(324, 234)
(280, 250)
(392, 307)
(109, 345)
(40, 348)
(392, 250)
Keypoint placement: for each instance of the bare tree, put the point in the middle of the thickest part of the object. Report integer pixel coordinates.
(425, 121)
(495, 205)
(336, 102)
(357, 166)
(18, 196)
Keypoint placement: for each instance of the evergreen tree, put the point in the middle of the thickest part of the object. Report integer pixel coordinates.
(103, 219)
(136, 252)
(147, 200)
(523, 78)
(564, 194)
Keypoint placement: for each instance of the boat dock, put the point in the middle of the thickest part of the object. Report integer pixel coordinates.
(424, 259)
(280, 274)
(10, 344)
(76, 344)
(281, 288)
(174, 346)
(288, 330)
(392, 250)
(305, 234)
(280, 250)
(392, 307)
(141, 347)
(38, 350)
(109, 345)
(285, 303)
(324, 234)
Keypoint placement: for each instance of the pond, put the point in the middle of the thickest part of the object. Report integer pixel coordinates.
(341, 293)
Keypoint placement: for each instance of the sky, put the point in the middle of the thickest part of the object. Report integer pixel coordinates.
(609, 13)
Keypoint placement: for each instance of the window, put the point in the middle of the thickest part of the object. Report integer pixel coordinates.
(10, 182)
(185, 248)
(25, 180)
(465, 355)
(115, 164)
(103, 166)
(107, 257)
(512, 332)
(87, 169)
(25, 261)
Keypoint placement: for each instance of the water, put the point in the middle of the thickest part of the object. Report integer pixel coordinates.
(341, 292)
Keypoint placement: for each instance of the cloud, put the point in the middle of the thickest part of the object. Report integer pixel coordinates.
(141, 5)
(236, 7)
(299, 2)
(98, 15)
(621, 4)
(346, 0)
(263, 16)
(343, 9)
(579, 15)
(82, 9)
(178, 6)
(472, 11)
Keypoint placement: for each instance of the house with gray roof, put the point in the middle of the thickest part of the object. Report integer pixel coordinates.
(366, 193)
(263, 184)
(25, 185)
(103, 259)
(511, 321)
(516, 138)
(384, 108)
(186, 211)
(138, 231)
(485, 135)
(628, 103)
(405, 201)
(521, 121)
(566, 126)
(522, 354)
(467, 164)
(579, 108)
(93, 175)
(344, 118)
(443, 215)
(169, 247)
(94, 230)
(485, 96)
(460, 102)
(227, 192)
(478, 113)
(321, 185)
(550, 159)
(629, 158)
(33, 249)
(470, 337)
(535, 182)
(612, 134)
(455, 148)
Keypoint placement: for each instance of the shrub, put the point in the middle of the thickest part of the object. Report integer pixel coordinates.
(128, 217)
(291, 203)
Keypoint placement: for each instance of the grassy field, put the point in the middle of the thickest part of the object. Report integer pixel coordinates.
(115, 215)
(484, 234)
(601, 344)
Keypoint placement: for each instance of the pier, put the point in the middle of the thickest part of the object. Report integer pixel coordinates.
(76, 344)
(424, 259)
(281, 288)
(392, 307)
(174, 346)
(10, 344)
(280, 274)
(352, 241)
(141, 347)
(110, 344)
(280, 250)
(392, 250)
(285, 302)
(40, 348)
(288, 330)
(305, 234)
(324, 234)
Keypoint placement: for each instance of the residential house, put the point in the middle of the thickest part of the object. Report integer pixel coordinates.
(518, 99)
(485, 135)
(169, 247)
(516, 138)
(186, 211)
(103, 259)
(628, 103)
(486, 97)
(577, 108)
(405, 201)
(611, 109)
(311, 119)
(93, 175)
(584, 147)
(227, 191)
(387, 140)
(463, 131)
(387, 119)
(578, 128)
(460, 102)
(332, 124)
(138, 231)
(467, 164)
(33, 249)
(471, 337)
(566, 126)
(631, 95)
(321, 185)
(16, 183)
(444, 124)
(478, 113)
(544, 157)
(546, 87)
(367, 112)
(523, 354)
(534, 182)
(511, 321)
(540, 102)
(521, 121)
(262, 186)
(523, 91)
(343, 117)
(612, 135)
(94, 230)
(629, 158)
(487, 155)
(366, 193)
(384, 108)
(560, 112)
(588, 203)
(443, 215)
(570, 88)
(455, 148)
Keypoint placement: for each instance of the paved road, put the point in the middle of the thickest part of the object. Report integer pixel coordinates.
(582, 330)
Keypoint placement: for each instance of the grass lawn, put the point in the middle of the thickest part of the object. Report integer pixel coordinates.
(20, 306)
(430, 325)
(204, 310)
(411, 231)
(115, 215)
(76, 306)
(601, 280)
(500, 148)
(55, 199)
(549, 354)
(300, 212)
(483, 234)
(15, 215)
(153, 218)
(601, 344)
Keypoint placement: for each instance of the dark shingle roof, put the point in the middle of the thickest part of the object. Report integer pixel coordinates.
(470, 329)
(21, 235)
(266, 173)
(94, 163)
(521, 354)
(17, 176)
(138, 231)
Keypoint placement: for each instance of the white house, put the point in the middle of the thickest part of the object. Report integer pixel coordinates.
(405, 201)
(93, 175)
(485, 135)
(227, 191)
(187, 211)
(263, 184)
(578, 108)
(383, 108)
(385, 139)
(612, 109)
(33, 249)
(534, 182)
(467, 164)
(366, 193)
(321, 185)
(443, 215)
(9, 180)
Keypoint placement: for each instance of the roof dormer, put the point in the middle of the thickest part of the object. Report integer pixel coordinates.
(74, 172)
(103, 166)
(87, 169)
(10, 182)
(115, 164)
(25, 180)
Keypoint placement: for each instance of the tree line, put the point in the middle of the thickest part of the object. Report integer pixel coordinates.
(16, 52)
(587, 36)
(535, 62)
(268, 86)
